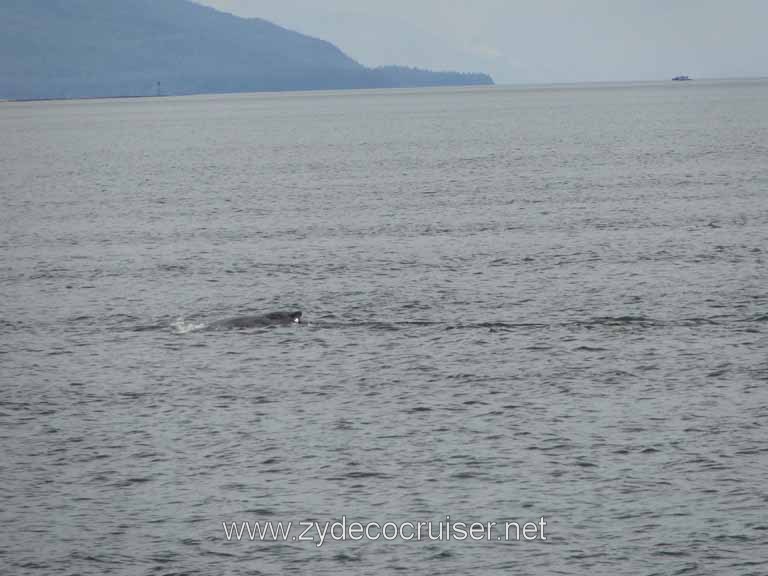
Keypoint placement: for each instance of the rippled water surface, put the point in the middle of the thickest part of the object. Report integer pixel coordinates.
(517, 303)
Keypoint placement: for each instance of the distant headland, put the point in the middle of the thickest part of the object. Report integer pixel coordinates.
(115, 48)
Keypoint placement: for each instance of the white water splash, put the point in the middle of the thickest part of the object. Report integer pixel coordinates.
(181, 326)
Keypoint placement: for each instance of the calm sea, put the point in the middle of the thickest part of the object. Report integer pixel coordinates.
(518, 302)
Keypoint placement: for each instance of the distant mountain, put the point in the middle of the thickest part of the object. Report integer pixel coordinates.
(93, 48)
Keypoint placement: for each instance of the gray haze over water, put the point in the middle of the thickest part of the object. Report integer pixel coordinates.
(524, 41)
(518, 303)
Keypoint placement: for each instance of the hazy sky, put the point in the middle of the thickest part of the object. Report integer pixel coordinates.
(537, 40)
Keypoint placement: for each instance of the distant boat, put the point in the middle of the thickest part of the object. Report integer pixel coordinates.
(681, 78)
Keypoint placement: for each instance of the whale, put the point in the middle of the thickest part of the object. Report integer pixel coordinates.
(256, 321)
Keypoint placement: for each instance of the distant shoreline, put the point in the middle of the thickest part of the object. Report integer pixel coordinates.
(520, 86)
(76, 98)
(270, 92)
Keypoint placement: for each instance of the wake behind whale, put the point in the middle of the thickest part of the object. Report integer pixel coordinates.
(287, 318)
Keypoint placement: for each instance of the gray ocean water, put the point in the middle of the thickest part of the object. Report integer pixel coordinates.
(518, 303)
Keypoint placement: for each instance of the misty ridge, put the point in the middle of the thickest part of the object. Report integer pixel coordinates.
(104, 48)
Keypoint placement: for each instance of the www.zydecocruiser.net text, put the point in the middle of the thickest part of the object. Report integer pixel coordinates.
(344, 530)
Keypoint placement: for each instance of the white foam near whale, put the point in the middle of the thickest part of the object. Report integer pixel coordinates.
(181, 326)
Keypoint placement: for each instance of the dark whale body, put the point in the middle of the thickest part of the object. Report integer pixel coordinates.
(271, 319)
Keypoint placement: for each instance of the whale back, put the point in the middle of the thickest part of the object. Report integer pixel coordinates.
(282, 317)
(269, 319)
